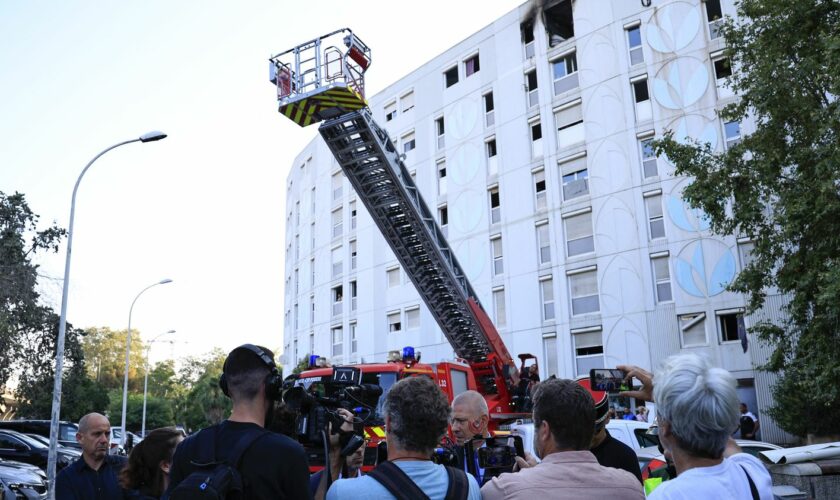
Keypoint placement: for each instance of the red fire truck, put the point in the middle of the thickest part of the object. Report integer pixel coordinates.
(322, 80)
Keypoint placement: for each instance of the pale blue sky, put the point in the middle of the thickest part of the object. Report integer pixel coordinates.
(205, 207)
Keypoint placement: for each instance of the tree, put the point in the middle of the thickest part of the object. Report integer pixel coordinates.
(159, 411)
(105, 351)
(162, 382)
(199, 402)
(780, 186)
(22, 317)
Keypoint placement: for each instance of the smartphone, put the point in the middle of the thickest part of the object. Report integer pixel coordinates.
(608, 380)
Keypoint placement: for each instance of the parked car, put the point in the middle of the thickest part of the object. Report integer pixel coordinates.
(22, 448)
(46, 441)
(21, 481)
(651, 461)
(66, 430)
(116, 438)
(633, 433)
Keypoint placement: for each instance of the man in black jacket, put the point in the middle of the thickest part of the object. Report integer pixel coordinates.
(94, 475)
(273, 466)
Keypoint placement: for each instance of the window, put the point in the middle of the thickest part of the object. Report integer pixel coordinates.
(723, 70)
(579, 238)
(337, 340)
(693, 329)
(559, 22)
(337, 182)
(311, 310)
(353, 255)
(498, 258)
(297, 281)
(634, 44)
(536, 139)
(441, 176)
(353, 295)
(499, 307)
(539, 189)
(745, 253)
(656, 221)
(337, 262)
(544, 242)
(450, 76)
(312, 272)
(714, 16)
(531, 88)
(547, 298)
(495, 206)
(393, 277)
(492, 165)
(408, 142)
(295, 350)
(353, 214)
(337, 299)
(661, 278)
(412, 318)
(440, 130)
(407, 101)
(297, 246)
(649, 168)
(297, 317)
(443, 216)
(312, 201)
(565, 73)
(311, 342)
(312, 233)
(730, 324)
(569, 122)
(527, 30)
(732, 131)
(589, 350)
(641, 96)
(583, 289)
(354, 345)
(471, 66)
(297, 213)
(337, 223)
(575, 184)
(390, 111)
(489, 117)
(394, 323)
(550, 353)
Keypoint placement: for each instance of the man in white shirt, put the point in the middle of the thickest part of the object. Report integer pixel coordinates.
(749, 423)
(697, 411)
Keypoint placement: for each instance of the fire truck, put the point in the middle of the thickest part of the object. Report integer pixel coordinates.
(322, 81)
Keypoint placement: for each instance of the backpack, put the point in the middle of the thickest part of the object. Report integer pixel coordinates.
(747, 425)
(214, 479)
(397, 482)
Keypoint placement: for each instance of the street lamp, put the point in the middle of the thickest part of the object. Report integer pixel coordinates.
(127, 354)
(146, 382)
(62, 324)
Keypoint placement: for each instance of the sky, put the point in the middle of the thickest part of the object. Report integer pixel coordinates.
(205, 206)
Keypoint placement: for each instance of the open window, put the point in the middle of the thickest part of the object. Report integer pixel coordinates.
(528, 38)
(559, 22)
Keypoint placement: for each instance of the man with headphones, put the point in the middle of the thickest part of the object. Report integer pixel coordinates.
(271, 465)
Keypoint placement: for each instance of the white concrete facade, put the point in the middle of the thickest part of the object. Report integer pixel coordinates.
(579, 245)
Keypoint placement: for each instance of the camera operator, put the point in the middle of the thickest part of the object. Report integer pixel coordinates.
(563, 415)
(416, 416)
(609, 452)
(470, 417)
(271, 465)
(697, 411)
(341, 467)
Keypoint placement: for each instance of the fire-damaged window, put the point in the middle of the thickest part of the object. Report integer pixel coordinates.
(528, 38)
(559, 23)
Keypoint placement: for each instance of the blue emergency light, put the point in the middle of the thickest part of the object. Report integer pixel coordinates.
(313, 360)
(408, 352)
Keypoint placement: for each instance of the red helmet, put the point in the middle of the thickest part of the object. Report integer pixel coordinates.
(601, 398)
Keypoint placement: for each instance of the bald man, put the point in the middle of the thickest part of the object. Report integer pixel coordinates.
(94, 476)
(470, 417)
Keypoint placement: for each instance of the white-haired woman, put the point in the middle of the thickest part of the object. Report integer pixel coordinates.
(697, 411)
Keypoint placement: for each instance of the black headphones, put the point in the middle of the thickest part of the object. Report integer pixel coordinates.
(273, 381)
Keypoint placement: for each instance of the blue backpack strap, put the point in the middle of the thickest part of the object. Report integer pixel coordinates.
(397, 482)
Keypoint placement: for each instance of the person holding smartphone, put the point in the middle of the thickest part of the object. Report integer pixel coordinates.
(697, 411)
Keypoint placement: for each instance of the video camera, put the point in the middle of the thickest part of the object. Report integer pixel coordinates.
(315, 407)
(498, 455)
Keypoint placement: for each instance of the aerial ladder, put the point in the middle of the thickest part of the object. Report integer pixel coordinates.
(322, 80)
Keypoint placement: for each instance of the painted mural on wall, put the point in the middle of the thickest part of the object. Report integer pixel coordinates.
(704, 267)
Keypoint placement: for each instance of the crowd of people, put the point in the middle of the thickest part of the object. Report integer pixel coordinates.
(574, 457)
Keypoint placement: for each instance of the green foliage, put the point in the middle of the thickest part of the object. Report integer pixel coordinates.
(199, 401)
(162, 382)
(302, 365)
(780, 186)
(23, 320)
(104, 350)
(158, 411)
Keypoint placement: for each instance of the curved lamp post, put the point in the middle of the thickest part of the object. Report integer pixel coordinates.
(127, 354)
(146, 382)
(62, 325)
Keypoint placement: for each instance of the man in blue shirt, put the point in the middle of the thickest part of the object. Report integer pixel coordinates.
(94, 475)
